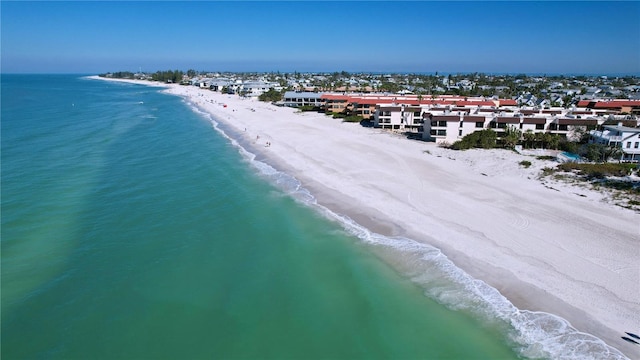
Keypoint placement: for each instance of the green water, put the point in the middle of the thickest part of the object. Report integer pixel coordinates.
(132, 229)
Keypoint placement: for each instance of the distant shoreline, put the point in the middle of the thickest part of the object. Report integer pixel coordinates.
(545, 250)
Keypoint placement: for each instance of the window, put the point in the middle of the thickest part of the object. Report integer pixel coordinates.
(416, 113)
(479, 124)
(539, 126)
(502, 125)
(442, 132)
(635, 146)
(629, 145)
(442, 123)
(563, 127)
(459, 132)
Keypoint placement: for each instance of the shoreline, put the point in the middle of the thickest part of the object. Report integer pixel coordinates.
(544, 250)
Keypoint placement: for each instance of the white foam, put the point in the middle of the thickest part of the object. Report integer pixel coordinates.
(532, 334)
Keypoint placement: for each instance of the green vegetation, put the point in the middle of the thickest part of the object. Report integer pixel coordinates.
(271, 95)
(598, 171)
(308, 108)
(547, 171)
(525, 163)
(119, 75)
(485, 139)
(511, 137)
(600, 152)
(353, 118)
(168, 76)
(601, 176)
(543, 140)
(545, 157)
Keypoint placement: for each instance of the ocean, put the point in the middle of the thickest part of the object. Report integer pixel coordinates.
(133, 226)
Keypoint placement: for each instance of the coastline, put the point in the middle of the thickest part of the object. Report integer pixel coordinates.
(544, 250)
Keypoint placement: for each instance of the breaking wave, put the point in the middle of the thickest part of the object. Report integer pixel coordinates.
(531, 334)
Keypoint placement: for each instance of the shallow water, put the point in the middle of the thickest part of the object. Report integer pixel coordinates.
(133, 228)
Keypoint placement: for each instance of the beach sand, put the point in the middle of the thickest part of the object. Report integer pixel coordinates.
(550, 247)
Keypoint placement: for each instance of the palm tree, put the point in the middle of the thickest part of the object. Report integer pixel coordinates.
(554, 141)
(511, 137)
(612, 152)
(529, 138)
(546, 139)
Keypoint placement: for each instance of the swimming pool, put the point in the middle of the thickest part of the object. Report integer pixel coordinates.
(567, 156)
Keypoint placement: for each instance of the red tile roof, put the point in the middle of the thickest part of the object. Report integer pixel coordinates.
(608, 104)
(616, 104)
(507, 102)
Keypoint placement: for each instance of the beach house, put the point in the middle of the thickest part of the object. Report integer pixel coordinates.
(256, 88)
(627, 138)
(302, 98)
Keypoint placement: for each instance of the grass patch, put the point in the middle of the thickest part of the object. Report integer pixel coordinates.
(545, 157)
(547, 171)
(525, 163)
(598, 171)
(352, 118)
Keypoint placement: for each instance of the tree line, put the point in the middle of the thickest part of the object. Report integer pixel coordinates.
(174, 76)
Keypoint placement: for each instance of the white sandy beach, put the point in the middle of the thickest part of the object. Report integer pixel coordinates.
(555, 248)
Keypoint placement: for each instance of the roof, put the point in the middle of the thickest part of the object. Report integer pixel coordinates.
(334, 97)
(302, 94)
(616, 104)
(446, 118)
(608, 104)
(473, 119)
(474, 103)
(622, 128)
(508, 120)
(534, 120)
(566, 121)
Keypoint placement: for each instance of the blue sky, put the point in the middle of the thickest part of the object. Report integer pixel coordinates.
(419, 36)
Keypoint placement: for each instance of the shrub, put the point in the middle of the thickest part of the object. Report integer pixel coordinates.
(525, 163)
(547, 171)
(353, 118)
(546, 157)
(598, 170)
(308, 108)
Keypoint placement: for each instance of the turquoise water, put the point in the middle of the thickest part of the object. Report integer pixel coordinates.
(131, 228)
(572, 156)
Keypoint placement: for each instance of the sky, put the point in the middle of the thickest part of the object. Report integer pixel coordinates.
(542, 37)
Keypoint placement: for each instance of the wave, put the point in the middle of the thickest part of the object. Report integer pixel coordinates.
(531, 334)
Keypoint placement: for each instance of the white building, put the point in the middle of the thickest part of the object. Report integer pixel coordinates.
(257, 88)
(628, 139)
(302, 98)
